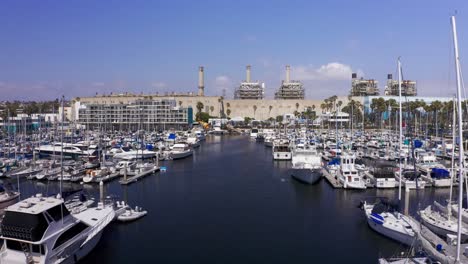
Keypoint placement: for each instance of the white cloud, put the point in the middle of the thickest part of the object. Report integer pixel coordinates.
(332, 71)
(159, 85)
(221, 83)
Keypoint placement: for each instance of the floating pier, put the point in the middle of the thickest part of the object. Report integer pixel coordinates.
(135, 178)
(331, 179)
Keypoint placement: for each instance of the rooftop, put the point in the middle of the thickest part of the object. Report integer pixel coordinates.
(35, 205)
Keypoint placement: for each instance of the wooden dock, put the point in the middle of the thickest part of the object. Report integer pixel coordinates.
(331, 179)
(138, 176)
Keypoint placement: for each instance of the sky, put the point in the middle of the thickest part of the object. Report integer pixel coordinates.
(79, 48)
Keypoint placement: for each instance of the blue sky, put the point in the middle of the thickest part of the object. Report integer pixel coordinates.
(78, 48)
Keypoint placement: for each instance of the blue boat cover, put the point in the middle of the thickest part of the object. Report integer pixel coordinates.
(335, 161)
(440, 173)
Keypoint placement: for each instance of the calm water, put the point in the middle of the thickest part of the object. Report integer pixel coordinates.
(231, 203)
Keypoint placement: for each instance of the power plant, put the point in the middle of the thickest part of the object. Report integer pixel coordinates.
(249, 89)
(362, 87)
(408, 87)
(290, 89)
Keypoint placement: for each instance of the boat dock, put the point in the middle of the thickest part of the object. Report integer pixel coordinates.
(331, 179)
(135, 178)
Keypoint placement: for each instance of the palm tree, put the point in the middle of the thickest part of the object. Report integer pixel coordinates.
(269, 109)
(211, 109)
(297, 106)
(228, 112)
(199, 106)
(255, 110)
(180, 103)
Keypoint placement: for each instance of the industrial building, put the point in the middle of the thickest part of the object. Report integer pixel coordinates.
(362, 87)
(250, 90)
(408, 87)
(290, 89)
(134, 115)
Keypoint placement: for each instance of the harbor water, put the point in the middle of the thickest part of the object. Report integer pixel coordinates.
(231, 203)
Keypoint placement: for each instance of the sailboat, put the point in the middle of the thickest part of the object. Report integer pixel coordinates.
(383, 217)
(450, 251)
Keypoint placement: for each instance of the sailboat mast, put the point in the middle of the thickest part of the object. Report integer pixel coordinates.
(401, 129)
(460, 136)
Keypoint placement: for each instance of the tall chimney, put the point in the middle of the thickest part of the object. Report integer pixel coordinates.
(288, 73)
(201, 82)
(247, 78)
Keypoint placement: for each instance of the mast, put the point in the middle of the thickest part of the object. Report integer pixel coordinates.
(449, 206)
(460, 135)
(401, 129)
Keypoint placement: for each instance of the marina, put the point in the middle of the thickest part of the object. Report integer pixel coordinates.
(164, 132)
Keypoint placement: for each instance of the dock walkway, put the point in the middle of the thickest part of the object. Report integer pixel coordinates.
(138, 176)
(331, 179)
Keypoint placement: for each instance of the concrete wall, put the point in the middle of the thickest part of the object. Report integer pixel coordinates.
(272, 108)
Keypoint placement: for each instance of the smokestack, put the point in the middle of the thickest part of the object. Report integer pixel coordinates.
(389, 76)
(201, 82)
(247, 78)
(288, 74)
(354, 75)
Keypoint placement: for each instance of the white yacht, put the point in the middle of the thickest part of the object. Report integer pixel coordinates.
(135, 154)
(410, 178)
(253, 133)
(200, 135)
(193, 141)
(69, 150)
(384, 176)
(432, 171)
(306, 164)
(383, 219)
(180, 151)
(281, 150)
(348, 174)
(268, 141)
(42, 230)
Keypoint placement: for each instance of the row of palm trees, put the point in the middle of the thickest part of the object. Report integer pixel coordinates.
(419, 116)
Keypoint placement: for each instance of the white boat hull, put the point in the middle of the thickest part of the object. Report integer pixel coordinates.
(282, 155)
(181, 155)
(392, 234)
(385, 183)
(309, 176)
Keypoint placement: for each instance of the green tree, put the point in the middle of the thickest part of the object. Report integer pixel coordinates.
(200, 106)
(279, 118)
(228, 112)
(202, 116)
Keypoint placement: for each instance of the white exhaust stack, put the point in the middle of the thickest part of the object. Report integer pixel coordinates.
(201, 81)
(288, 74)
(247, 78)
